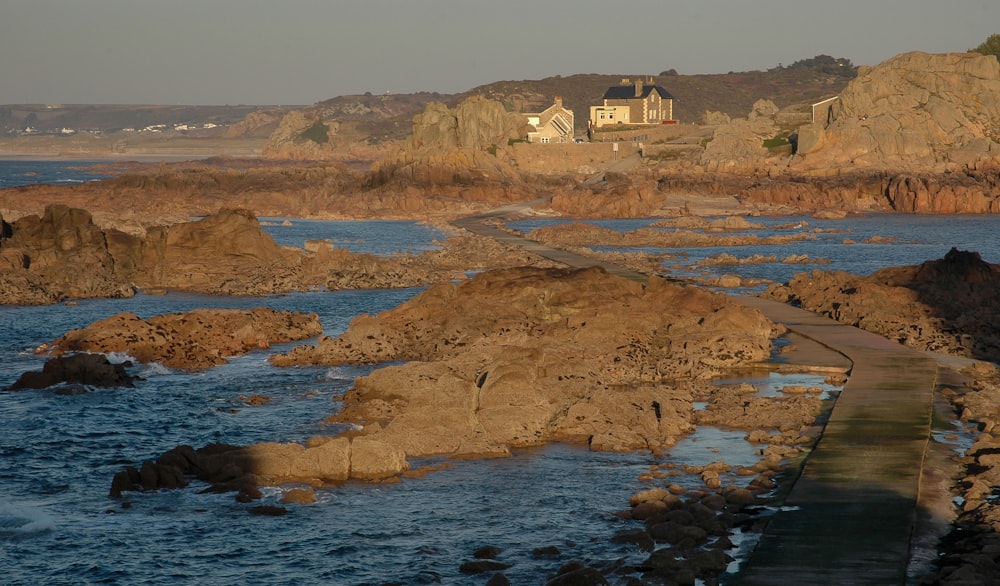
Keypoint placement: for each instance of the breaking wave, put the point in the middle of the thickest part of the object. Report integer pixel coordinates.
(24, 520)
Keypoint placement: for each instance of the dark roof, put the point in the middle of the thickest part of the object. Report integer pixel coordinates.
(626, 92)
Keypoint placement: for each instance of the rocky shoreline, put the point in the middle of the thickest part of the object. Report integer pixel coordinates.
(527, 352)
(518, 357)
(378, 451)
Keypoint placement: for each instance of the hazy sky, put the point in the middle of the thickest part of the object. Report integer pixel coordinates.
(305, 51)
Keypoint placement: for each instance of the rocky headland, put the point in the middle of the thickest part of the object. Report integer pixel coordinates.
(63, 255)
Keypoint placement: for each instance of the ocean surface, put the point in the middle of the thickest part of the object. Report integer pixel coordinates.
(58, 453)
(879, 241)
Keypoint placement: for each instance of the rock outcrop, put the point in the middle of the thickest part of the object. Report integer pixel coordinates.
(87, 370)
(301, 134)
(193, 340)
(464, 148)
(477, 123)
(227, 252)
(321, 461)
(64, 255)
(58, 255)
(948, 305)
(739, 145)
(518, 357)
(916, 112)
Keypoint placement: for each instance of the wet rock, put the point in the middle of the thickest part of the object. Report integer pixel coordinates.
(77, 369)
(739, 496)
(322, 460)
(299, 496)
(647, 509)
(638, 537)
(488, 552)
(255, 400)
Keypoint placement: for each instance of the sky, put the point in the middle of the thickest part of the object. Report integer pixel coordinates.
(298, 52)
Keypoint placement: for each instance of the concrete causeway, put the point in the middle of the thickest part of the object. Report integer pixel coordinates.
(850, 516)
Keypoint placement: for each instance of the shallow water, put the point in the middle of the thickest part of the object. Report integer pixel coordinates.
(915, 239)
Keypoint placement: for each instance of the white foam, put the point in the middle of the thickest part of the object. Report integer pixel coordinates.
(119, 357)
(337, 373)
(155, 369)
(22, 519)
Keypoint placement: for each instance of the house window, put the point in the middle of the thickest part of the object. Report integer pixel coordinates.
(545, 140)
(602, 115)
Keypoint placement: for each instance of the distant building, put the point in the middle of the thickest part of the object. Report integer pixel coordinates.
(634, 103)
(554, 124)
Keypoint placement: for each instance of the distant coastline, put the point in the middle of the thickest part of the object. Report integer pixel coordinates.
(87, 148)
(99, 157)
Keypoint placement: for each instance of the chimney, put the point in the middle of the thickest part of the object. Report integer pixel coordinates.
(638, 87)
(558, 101)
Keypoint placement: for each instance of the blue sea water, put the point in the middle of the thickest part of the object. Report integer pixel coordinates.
(26, 171)
(904, 240)
(59, 453)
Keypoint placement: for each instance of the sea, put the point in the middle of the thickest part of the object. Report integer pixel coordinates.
(58, 453)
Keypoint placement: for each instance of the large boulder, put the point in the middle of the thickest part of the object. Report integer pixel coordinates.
(739, 145)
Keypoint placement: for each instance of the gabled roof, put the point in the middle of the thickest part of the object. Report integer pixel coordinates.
(627, 92)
